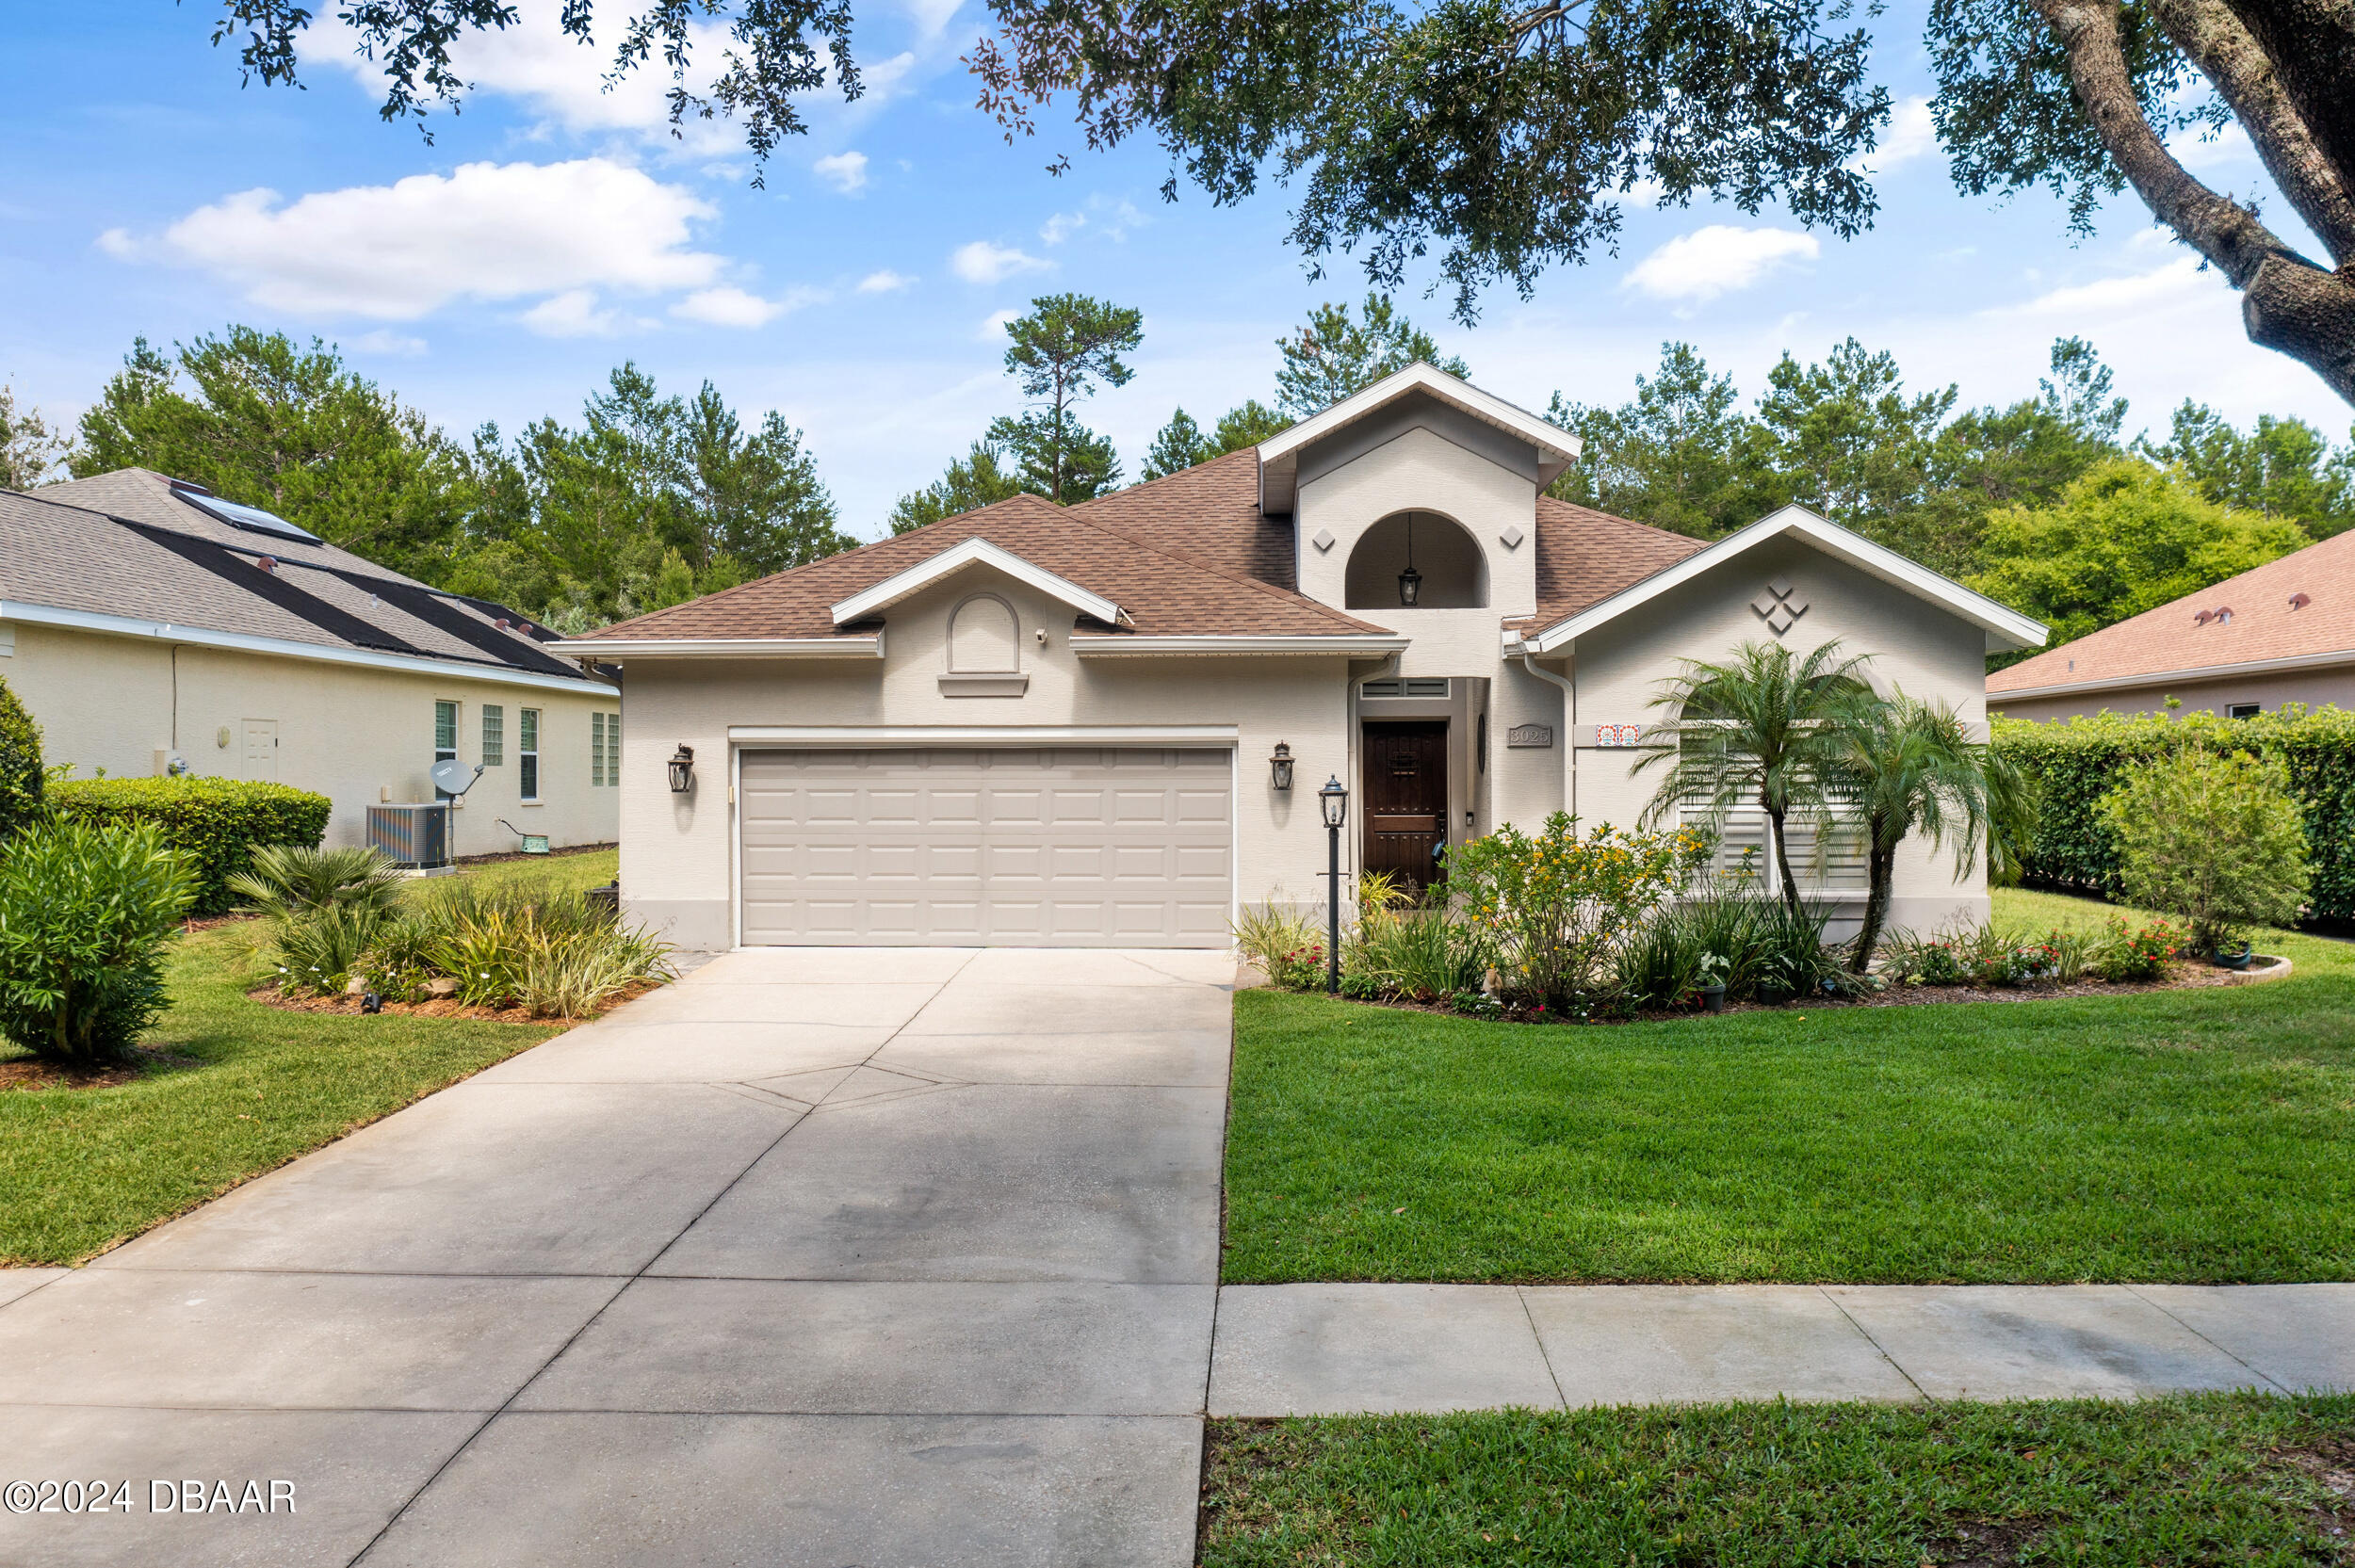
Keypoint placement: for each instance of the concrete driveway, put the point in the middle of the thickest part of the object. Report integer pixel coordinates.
(820, 1256)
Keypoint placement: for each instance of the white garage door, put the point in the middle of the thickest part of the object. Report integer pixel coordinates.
(1088, 847)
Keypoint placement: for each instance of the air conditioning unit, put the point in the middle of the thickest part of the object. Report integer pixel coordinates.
(414, 837)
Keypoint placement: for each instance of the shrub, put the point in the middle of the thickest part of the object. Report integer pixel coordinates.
(2128, 952)
(2213, 839)
(1421, 954)
(1283, 944)
(568, 972)
(1558, 905)
(85, 909)
(317, 948)
(21, 775)
(2078, 761)
(216, 823)
(287, 878)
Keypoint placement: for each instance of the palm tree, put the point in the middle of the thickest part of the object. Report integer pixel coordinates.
(1906, 768)
(1762, 730)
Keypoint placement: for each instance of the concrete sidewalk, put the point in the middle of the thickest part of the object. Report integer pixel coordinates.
(1301, 1350)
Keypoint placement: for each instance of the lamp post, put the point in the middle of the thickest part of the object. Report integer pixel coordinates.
(1334, 799)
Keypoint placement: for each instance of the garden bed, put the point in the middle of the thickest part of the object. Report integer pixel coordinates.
(2182, 974)
(442, 1007)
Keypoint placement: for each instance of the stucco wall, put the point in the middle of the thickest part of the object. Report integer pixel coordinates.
(2314, 687)
(353, 734)
(677, 850)
(1913, 646)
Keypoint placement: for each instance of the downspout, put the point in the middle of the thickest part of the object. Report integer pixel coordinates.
(1569, 727)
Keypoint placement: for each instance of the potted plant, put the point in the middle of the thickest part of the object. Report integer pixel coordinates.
(1711, 985)
(2231, 956)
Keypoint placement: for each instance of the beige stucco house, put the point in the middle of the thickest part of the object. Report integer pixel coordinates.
(1042, 725)
(150, 626)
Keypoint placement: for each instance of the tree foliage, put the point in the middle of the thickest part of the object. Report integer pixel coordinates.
(1060, 352)
(976, 479)
(1181, 444)
(1334, 356)
(257, 418)
(22, 773)
(2283, 468)
(2124, 539)
(1909, 770)
(32, 451)
(2215, 838)
(1509, 138)
(1680, 455)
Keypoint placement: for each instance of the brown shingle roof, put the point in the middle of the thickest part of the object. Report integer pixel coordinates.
(1185, 555)
(1143, 559)
(2263, 627)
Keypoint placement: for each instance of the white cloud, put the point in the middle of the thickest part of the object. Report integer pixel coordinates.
(572, 313)
(385, 341)
(2196, 150)
(885, 282)
(984, 263)
(845, 171)
(484, 232)
(993, 325)
(1062, 227)
(2132, 293)
(1697, 268)
(931, 15)
(733, 307)
(1910, 134)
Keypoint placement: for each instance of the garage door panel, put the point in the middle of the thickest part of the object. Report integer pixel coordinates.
(1085, 846)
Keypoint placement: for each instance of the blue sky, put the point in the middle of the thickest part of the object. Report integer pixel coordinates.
(553, 229)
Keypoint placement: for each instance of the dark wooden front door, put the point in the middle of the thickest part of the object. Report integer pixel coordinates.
(1405, 819)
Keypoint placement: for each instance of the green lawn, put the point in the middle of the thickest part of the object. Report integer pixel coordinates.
(2208, 1479)
(2193, 1135)
(81, 1170)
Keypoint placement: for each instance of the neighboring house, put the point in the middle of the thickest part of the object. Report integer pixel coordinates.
(143, 621)
(1039, 725)
(2284, 632)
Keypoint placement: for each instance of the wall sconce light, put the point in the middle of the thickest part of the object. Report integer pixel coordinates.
(1279, 768)
(682, 768)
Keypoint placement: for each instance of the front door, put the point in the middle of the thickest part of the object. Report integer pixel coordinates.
(1406, 799)
(261, 749)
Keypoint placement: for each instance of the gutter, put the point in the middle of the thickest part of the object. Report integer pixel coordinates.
(619, 650)
(1569, 727)
(1344, 645)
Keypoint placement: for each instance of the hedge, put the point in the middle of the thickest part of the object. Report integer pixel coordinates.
(2079, 760)
(217, 821)
(21, 773)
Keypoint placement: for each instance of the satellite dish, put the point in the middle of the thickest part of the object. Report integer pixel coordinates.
(452, 778)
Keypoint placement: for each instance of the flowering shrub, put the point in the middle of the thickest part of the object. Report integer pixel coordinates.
(2130, 952)
(1559, 904)
(1283, 944)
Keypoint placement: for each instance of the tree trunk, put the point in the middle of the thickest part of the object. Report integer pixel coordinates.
(1782, 861)
(2288, 303)
(1881, 872)
(2310, 44)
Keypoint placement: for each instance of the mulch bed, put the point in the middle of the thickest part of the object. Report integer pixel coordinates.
(2182, 974)
(439, 1007)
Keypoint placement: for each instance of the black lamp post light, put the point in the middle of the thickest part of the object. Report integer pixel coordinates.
(1334, 799)
(1279, 768)
(682, 768)
(1410, 580)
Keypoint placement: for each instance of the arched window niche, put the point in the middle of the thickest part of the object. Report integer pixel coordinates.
(1455, 572)
(984, 638)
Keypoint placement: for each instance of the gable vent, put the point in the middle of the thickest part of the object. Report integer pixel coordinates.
(1423, 686)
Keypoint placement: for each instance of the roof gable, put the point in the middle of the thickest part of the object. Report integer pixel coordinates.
(2005, 628)
(1280, 455)
(975, 551)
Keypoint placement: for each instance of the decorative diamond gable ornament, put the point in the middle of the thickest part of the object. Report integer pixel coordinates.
(1780, 607)
(1512, 536)
(1324, 539)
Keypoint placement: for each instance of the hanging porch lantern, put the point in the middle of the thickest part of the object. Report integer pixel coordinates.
(1410, 580)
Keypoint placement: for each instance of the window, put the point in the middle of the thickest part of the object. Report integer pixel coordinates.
(527, 753)
(2243, 710)
(445, 739)
(494, 735)
(604, 749)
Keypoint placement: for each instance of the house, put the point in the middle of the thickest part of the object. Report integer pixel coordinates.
(152, 627)
(2284, 632)
(1107, 724)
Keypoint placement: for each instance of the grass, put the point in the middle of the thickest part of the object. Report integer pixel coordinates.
(2211, 1479)
(84, 1169)
(2187, 1135)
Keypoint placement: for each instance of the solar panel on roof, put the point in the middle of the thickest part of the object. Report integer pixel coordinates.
(253, 517)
